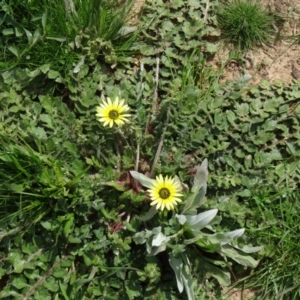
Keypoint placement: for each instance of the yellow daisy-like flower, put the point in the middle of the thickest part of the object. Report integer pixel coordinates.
(111, 113)
(165, 192)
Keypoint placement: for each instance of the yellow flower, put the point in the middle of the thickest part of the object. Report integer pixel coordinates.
(164, 193)
(111, 113)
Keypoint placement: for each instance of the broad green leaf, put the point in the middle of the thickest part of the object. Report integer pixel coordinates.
(53, 74)
(29, 36)
(177, 264)
(142, 179)
(183, 278)
(153, 250)
(249, 249)
(158, 239)
(224, 238)
(188, 283)
(36, 36)
(181, 218)
(18, 32)
(239, 257)
(78, 66)
(141, 237)
(201, 220)
(74, 240)
(149, 215)
(222, 277)
(44, 20)
(33, 73)
(14, 50)
(45, 68)
(116, 185)
(199, 197)
(8, 31)
(200, 178)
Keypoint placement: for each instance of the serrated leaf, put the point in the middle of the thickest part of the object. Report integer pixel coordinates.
(39, 132)
(177, 3)
(211, 48)
(133, 289)
(20, 282)
(69, 224)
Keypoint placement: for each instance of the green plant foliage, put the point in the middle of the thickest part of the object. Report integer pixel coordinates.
(190, 230)
(245, 24)
(41, 39)
(281, 254)
(75, 219)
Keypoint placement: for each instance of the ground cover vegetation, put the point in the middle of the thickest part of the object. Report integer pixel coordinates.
(124, 160)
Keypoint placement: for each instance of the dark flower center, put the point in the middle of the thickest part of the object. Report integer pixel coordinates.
(164, 193)
(113, 114)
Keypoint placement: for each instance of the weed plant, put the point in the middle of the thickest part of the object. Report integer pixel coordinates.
(278, 275)
(77, 213)
(245, 24)
(54, 33)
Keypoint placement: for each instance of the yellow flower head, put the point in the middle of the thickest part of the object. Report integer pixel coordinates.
(111, 113)
(165, 192)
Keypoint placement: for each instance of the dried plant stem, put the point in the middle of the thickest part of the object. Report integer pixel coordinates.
(160, 145)
(41, 280)
(138, 97)
(155, 94)
(137, 158)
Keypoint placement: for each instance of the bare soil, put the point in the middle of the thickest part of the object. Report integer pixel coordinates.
(277, 61)
(236, 294)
